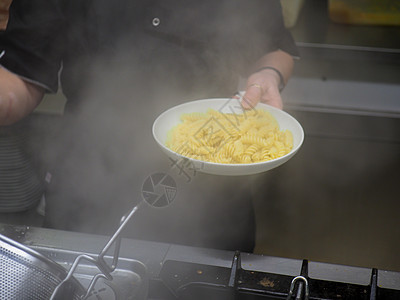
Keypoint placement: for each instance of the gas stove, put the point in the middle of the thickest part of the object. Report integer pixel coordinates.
(150, 270)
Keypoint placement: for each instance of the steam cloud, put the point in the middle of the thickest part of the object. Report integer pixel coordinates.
(105, 149)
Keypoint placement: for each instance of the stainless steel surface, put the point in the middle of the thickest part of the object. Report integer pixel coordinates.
(99, 261)
(129, 279)
(355, 98)
(60, 246)
(36, 276)
(27, 274)
(168, 266)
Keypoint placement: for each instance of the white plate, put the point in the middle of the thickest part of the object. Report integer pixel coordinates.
(170, 118)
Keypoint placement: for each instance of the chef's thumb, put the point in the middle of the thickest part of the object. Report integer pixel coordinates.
(252, 96)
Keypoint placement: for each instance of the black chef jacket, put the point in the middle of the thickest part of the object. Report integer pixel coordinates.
(120, 64)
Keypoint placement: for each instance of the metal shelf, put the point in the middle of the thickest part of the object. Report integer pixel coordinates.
(319, 37)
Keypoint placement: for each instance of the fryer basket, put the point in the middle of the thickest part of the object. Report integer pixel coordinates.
(27, 274)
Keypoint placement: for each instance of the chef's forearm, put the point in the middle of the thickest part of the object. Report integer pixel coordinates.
(18, 98)
(279, 60)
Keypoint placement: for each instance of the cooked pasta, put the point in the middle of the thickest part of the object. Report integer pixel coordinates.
(251, 137)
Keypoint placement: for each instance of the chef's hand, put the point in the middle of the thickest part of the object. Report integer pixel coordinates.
(263, 86)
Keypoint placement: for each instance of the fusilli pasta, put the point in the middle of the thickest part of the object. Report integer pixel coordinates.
(230, 138)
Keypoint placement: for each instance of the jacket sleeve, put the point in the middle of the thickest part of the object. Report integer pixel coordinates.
(31, 46)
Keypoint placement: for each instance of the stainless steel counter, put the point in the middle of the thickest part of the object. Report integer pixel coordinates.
(57, 245)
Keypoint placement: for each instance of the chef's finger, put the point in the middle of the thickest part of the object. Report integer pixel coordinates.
(236, 95)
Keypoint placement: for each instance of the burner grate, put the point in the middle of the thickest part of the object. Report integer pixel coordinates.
(187, 280)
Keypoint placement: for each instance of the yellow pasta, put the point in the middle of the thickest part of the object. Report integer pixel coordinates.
(251, 137)
(252, 149)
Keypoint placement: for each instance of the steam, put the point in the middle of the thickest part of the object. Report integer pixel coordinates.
(105, 150)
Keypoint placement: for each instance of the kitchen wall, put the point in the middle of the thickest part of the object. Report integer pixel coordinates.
(337, 200)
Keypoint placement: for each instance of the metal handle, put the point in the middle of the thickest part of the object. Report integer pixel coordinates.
(100, 263)
(117, 239)
(292, 286)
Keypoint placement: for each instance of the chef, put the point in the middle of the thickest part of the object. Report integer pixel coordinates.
(120, 64)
